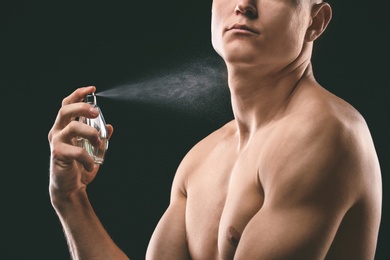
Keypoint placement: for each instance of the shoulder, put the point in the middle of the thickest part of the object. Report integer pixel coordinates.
(324, 119)
(205, 150)
(324, 143)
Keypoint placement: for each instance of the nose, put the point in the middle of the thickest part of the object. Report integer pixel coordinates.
(247, 8)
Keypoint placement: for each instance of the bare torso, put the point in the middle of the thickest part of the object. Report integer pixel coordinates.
(294, 176)
(223, 180)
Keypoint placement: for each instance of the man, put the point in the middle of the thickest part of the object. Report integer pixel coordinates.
(295, 175)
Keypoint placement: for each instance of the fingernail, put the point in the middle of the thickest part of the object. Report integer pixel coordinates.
(94, 111)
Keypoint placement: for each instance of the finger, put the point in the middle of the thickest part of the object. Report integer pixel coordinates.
(110, 130)
(64, 155)
(67, 113)
(79, 130)
(78, 95)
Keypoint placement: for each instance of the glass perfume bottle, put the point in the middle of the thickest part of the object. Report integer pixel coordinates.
(99, 124)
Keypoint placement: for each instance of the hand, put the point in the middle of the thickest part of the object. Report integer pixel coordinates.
(71, 167)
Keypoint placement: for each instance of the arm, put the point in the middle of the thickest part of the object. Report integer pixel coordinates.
(169, 239)
(71, 170)
(310, 181)
(86, 237)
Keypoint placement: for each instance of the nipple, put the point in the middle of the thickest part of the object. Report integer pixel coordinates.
(233, 236)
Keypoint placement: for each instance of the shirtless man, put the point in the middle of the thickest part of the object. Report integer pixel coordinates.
(294, 176)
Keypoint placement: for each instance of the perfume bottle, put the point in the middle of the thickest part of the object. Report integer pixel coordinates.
(99, 124)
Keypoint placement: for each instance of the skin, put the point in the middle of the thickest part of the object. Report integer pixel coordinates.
(295, 175)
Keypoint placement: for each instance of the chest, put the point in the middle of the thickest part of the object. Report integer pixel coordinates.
(222, 196)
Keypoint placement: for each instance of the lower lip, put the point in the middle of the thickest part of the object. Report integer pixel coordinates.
(242, 31)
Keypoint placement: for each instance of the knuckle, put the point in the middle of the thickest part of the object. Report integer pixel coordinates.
(50, 135)
(72, 127)
(61, 112)
(55, 153)
(65, 101)
(80, 153)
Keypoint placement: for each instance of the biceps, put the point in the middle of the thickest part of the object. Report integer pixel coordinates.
(169, 238)
(287, 234)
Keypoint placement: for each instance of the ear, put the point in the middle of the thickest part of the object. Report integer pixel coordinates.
(321, 14)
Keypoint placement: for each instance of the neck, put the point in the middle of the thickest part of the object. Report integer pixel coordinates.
(260, 97)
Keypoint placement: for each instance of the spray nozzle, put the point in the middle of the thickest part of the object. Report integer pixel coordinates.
(91, 98)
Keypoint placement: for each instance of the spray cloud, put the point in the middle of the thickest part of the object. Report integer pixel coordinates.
(193, 86)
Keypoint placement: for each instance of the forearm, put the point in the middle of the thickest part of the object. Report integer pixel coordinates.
(85, 234)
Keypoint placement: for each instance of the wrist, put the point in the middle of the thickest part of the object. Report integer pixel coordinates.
(64, 202)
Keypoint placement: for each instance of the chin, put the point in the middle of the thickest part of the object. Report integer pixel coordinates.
(238, 52)
(239, 57)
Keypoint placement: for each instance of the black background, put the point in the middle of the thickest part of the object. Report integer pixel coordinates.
(49, 48)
